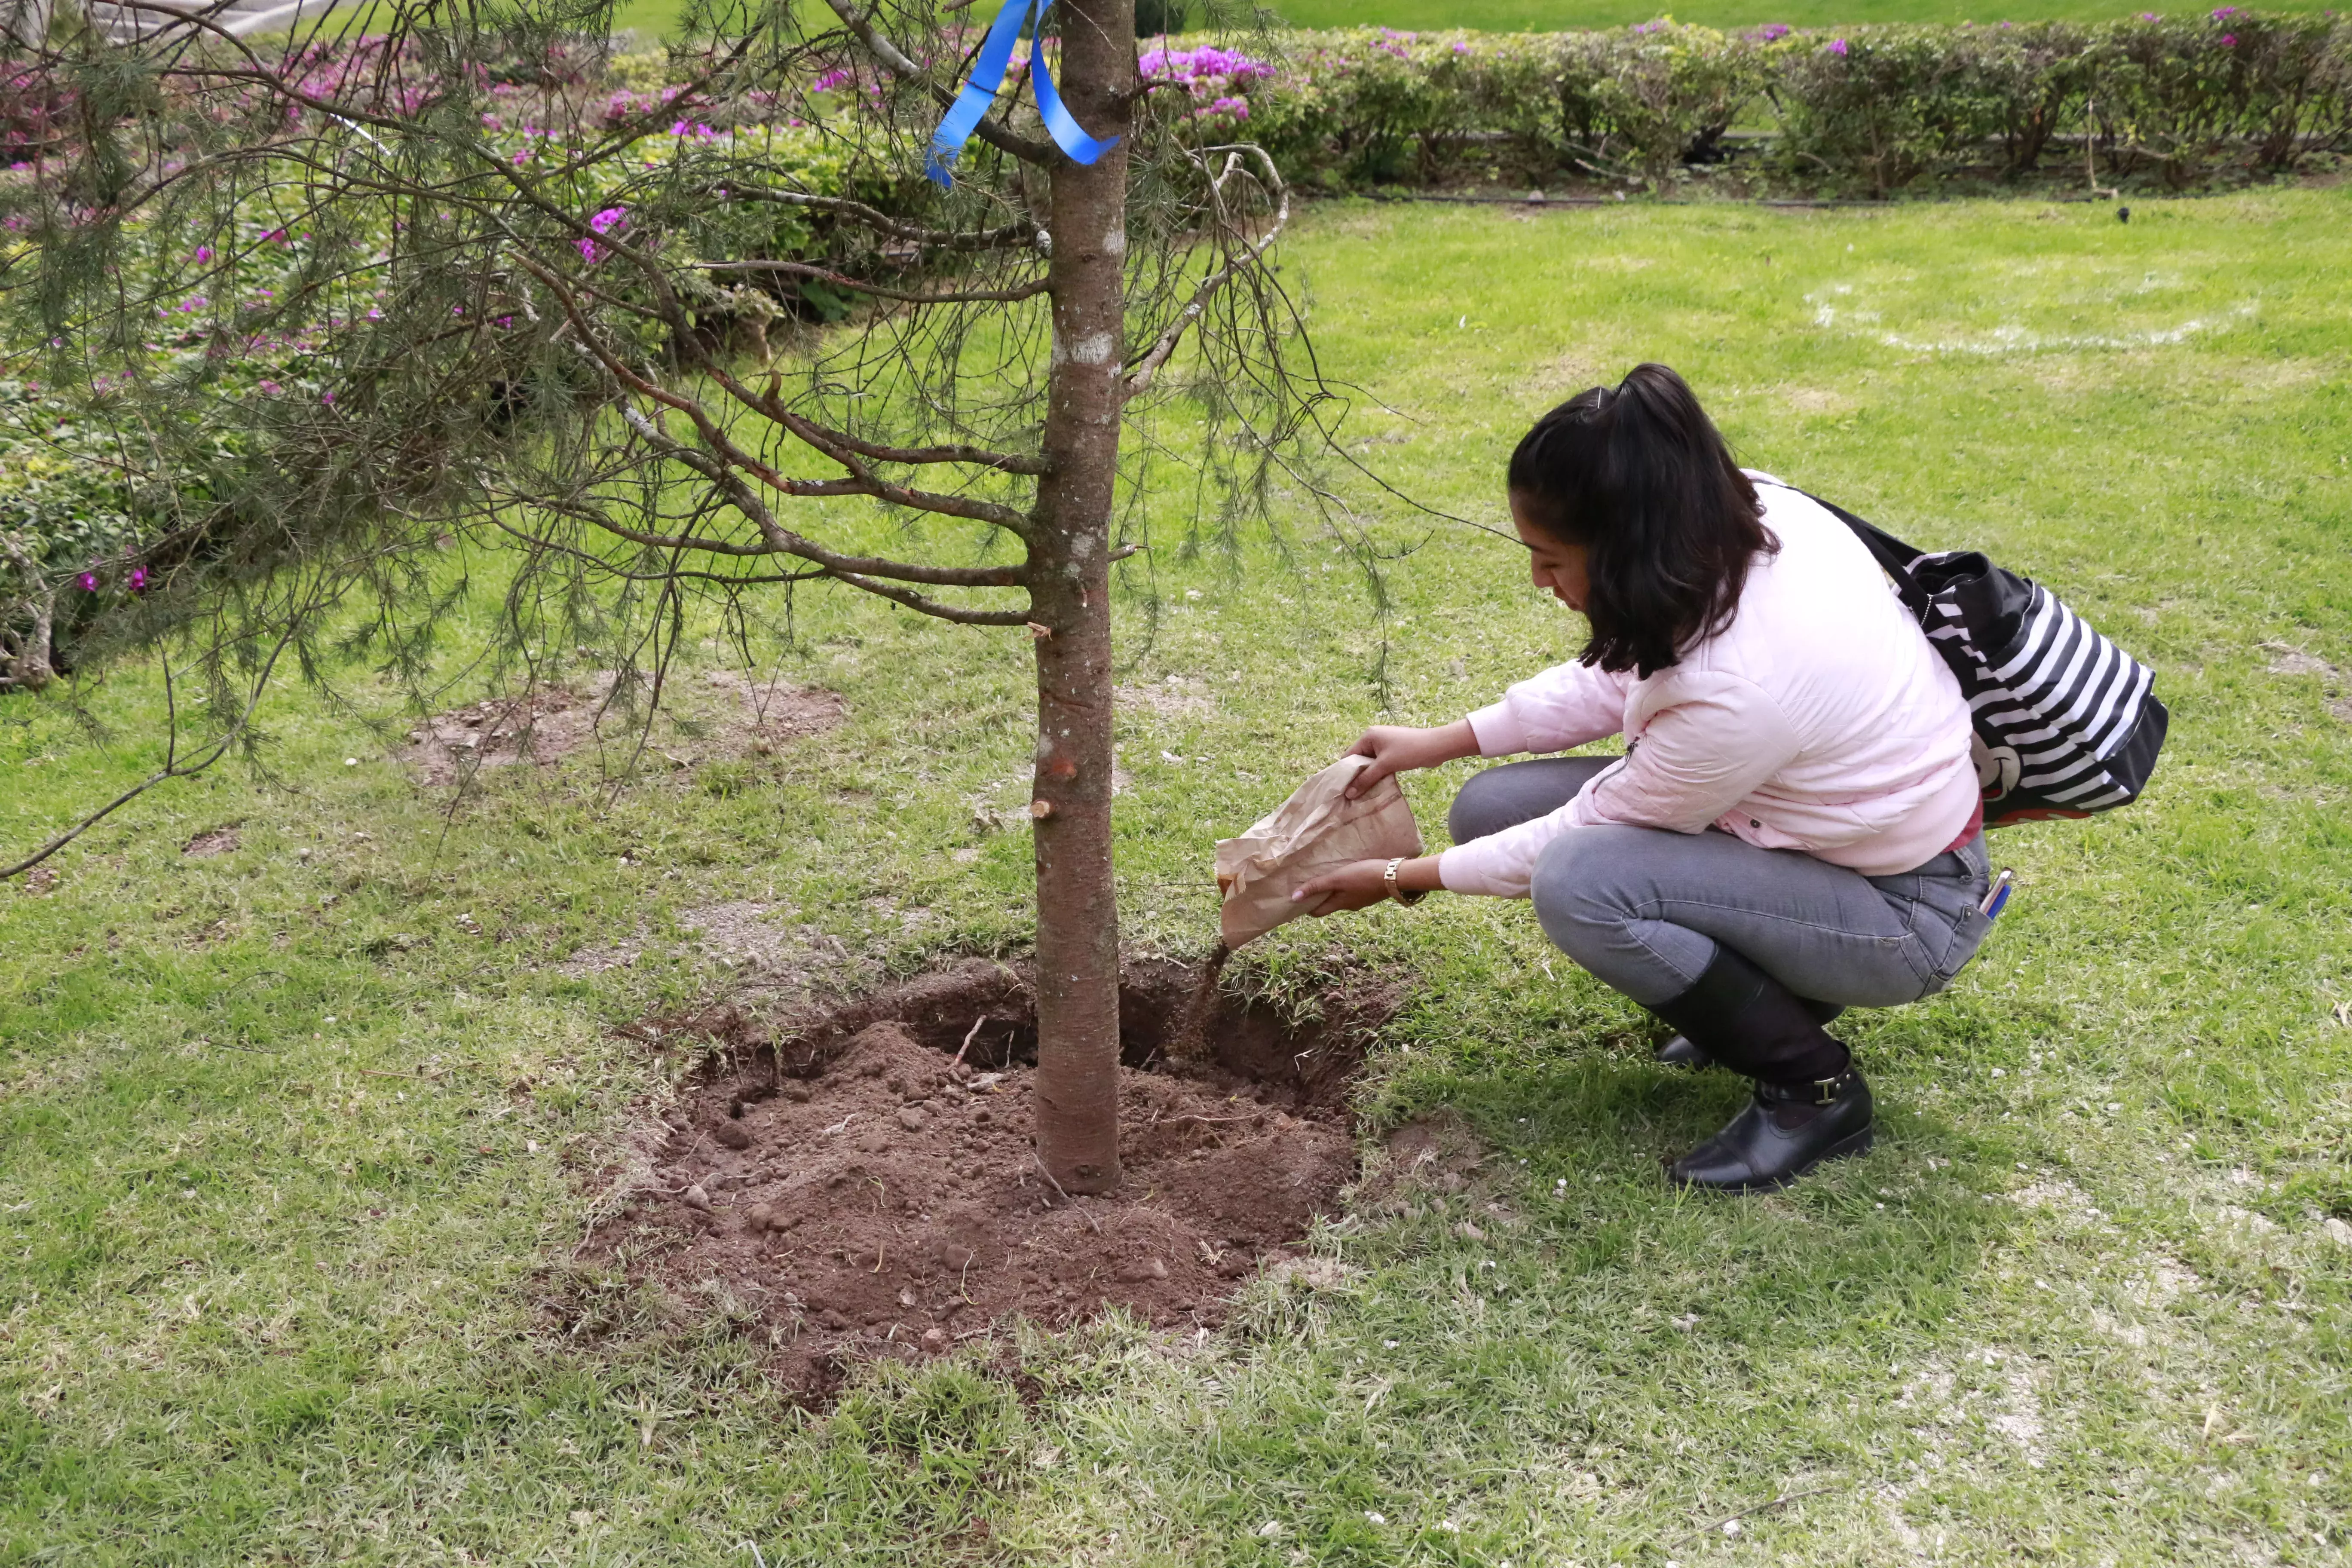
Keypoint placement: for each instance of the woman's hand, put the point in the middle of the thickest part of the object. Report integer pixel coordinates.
(1396, 749)
(1360, 884)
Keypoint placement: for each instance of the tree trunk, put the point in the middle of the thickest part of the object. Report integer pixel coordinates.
(30, 668)
(1077, 905)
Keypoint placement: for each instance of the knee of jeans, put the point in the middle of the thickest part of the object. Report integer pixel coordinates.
(1573, 892)
(1479, 809)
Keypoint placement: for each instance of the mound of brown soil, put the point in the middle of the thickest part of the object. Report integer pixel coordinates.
(873, 1196)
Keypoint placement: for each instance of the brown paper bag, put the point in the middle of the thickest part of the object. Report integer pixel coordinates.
(1316, 828)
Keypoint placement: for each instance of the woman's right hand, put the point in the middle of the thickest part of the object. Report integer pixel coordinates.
(1397, 749)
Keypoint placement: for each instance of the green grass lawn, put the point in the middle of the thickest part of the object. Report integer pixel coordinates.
(295, 1142)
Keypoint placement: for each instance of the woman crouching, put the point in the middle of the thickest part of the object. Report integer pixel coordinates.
(1795, 827)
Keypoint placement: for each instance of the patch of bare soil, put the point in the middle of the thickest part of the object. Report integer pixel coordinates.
(868, 1195)
(738, 932)
(222, 840)
(541, 726)
(748, 715)
(1170, 697)
(719, 714)
(2293, 660)
(1438, 1153)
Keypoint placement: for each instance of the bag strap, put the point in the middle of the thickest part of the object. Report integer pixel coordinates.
(1894, 556)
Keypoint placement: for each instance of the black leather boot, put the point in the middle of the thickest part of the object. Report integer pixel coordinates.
(1810, 1105)
(1679, 1052)
(1786, 1130)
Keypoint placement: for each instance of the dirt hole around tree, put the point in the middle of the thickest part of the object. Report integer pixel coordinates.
(853, 1191)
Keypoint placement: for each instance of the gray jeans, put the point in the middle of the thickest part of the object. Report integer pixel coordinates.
(1644, 907)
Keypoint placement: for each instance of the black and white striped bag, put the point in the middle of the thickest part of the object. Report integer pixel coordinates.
(2067, 722)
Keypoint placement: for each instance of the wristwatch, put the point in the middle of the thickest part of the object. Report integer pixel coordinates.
(1401, 895)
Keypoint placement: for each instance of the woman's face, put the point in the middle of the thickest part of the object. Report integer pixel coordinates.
(1557, 567)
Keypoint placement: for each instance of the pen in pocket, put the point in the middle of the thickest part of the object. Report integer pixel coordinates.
(1997, 895)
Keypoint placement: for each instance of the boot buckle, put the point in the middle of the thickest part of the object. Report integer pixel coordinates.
(1825, 1089)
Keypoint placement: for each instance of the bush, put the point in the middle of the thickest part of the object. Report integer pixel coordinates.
(1664, 95)
(2182, 95)
(1892, 105)
(1158, 18)
(67, 528)
(1373, 104)
(34, 105)
(1880, 108)
(1379, 105)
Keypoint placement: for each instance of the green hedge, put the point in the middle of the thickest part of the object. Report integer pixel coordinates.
(2181, 99)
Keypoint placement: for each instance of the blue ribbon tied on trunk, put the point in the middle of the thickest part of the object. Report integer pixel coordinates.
(987, 80)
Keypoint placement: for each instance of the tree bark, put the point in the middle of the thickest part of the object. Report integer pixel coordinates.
(29, 666)
(1078, 906)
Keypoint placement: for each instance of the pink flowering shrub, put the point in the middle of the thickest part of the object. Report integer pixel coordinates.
(610, 220)
(1216, 82)
(34, 110)
(626, 105)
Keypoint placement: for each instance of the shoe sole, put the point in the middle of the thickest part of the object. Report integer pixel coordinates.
(1853, 1143)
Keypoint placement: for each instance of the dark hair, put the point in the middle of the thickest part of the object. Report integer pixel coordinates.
(1640, 477)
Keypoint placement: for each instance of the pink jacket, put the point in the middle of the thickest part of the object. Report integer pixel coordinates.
(1819, 719)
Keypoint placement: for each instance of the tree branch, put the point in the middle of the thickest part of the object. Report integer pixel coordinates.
(851, 453)
(1021, 233)
(788, 543)
(803, 269)
(1140, 377)
(947, 452)
(865, 481)
(955, 612)
(172, 767)
(739, 493)
(890, 54)
(588, 558)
